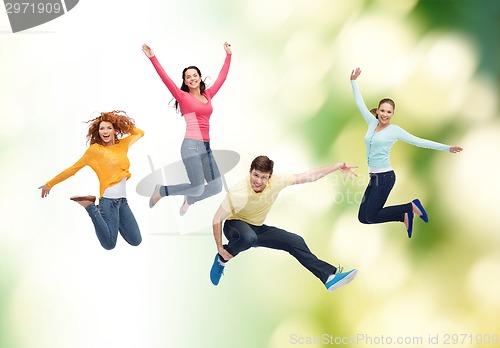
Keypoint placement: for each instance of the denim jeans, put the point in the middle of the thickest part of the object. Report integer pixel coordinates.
(114, 215)
(242, 236)
(372, 210)
(200, 167)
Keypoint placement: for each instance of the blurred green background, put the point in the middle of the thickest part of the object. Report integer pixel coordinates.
(287, 96)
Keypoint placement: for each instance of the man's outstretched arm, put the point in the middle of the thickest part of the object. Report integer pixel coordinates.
(318, 173)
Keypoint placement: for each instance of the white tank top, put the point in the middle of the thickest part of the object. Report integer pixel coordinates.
(116, 191)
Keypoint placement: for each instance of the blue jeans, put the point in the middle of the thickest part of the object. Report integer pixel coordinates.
(372, 210)
(242, 236)
(200, 167)
(112, 216)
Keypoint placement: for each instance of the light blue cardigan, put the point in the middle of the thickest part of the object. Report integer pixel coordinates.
(379, 144)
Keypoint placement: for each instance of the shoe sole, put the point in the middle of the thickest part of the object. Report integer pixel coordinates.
(83, 198)
(344, 281)
(151, 204)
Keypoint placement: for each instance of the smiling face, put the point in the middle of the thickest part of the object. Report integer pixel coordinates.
(385, 111)
(192, 79)
(107, 133)
(258, 180)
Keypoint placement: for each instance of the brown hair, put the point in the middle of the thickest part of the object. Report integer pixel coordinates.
(263, 164)
(122, 124)
(185, 88)
(385, 100)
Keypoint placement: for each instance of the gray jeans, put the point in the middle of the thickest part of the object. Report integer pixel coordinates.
(200, 167)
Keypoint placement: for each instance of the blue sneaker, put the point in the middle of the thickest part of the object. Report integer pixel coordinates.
(340, 279)
(420, 206)
(410, 224)
(217, 271)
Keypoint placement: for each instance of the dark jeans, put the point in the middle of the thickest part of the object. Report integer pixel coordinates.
(242, 236)
(372, 210)
(113, 216)
(200, 167)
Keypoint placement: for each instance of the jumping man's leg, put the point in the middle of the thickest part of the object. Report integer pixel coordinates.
(241, 236)
(276, 238)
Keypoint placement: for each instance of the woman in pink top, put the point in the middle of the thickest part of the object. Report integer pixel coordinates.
(194, 101)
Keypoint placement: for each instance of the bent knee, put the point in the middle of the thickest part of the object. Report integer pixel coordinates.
(136, 242)
(108, 246)
(363, 220)
(249, 239)
(197, 191)
(295, 241)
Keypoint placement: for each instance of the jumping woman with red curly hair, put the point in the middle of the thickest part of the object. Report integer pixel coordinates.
(107, 156)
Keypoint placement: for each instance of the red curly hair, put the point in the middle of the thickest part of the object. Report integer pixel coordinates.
(122, 124)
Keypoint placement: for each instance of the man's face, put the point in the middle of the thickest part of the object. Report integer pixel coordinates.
(259, 180)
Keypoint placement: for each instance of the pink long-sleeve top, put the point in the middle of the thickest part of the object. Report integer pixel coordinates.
(196, 113)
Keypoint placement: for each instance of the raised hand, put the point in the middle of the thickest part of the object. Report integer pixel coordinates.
(355, 73)
(227, 47)
(148, 51)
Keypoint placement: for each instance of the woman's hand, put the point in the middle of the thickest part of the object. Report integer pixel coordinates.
(227, 47)
(45, 190)
(355, 73)
(455, 149)
(148, 51)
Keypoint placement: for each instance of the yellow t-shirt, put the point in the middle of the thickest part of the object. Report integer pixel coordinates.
(247, 205)
(110, 163)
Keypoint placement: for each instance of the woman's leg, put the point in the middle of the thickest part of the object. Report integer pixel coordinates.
(211, 175)
(362, 207)
(129, 229)
(106, 220)
(381, 186)
(191, 151)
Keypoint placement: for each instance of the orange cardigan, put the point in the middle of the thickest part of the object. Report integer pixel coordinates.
(110, 163)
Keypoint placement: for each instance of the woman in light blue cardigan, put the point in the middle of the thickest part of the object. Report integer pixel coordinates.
(379, 138)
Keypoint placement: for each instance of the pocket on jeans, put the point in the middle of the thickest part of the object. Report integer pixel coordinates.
(191, 144)
(189, 149)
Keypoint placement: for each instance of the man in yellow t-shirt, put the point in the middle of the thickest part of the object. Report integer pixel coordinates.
(244, 210)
